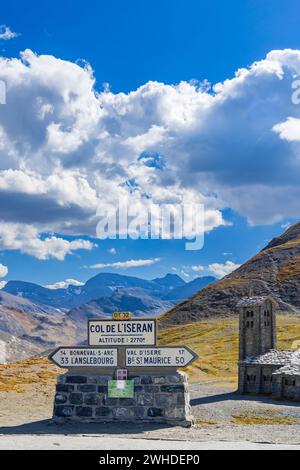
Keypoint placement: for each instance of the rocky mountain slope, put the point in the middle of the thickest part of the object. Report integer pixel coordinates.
(16, 349)
(274, 271)
(27, 328)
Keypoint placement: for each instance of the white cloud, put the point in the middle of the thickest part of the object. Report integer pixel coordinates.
(2, 284)
(289, 130)
(3, 270)
(79, 147)
(6, 33)
(112, 251)
(26, 239)
(218, 270)
(221, 270)
(198, 268)
(127, 264)
(65, 284)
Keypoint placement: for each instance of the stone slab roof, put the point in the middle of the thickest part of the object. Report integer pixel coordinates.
(252, 301)
(275, 358)
(291, 369)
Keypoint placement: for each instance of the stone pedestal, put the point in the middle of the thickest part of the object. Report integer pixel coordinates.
(157, 399)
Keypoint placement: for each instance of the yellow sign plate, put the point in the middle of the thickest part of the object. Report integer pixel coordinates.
(121, 316)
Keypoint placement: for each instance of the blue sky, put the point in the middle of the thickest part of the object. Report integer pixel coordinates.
(130, 43)
(127, 45)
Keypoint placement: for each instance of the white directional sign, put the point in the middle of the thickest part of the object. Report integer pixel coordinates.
(160, 357)
(85, 357)
(122, 333)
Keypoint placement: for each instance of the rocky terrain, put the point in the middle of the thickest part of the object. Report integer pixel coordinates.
(27, 328)
(13, 348)
(274, 271)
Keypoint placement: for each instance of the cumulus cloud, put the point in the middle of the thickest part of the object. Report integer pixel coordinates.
(3, 270)
(26, 238)
(221, 270)
(6, 33)
(65, 284)
(2, 284)
(65, 148)
(134, 263)
(289, 130)
(218, 270)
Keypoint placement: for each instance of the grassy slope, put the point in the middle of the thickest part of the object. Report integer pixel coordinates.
(214, 340)
(21, 376)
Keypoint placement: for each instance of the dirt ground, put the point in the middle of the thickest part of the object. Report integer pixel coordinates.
(221, 415)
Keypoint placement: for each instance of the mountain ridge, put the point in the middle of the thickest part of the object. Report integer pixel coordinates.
(101, 286)
(274, 271)
(36, 318)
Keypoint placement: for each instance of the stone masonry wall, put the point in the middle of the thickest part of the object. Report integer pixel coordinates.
(282, 386)
(286, 387)
(157, 398)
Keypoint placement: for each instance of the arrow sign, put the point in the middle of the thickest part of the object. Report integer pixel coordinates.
(175, 357)
(68, 357)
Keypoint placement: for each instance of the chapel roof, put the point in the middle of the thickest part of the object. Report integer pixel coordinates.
(255, 300)
(291, 369)
(276, 358)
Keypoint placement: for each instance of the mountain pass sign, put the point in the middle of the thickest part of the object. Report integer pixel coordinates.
(133, 332)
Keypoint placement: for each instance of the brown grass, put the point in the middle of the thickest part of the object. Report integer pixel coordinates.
(289, 270)
(20, 376)
(264, 418)
(216, 343)
(206, 422)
